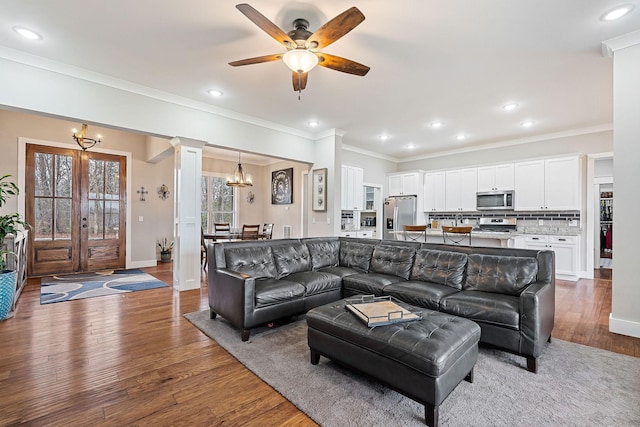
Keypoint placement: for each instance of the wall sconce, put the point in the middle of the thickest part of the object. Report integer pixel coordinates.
(163, 192)
(142, 192)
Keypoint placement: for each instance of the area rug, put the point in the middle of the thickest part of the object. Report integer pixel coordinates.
(576, 385)
(87, 285)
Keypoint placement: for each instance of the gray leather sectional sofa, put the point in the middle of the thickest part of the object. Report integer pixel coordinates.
(510, 293)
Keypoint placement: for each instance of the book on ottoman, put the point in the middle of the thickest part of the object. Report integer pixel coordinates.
(380, 311)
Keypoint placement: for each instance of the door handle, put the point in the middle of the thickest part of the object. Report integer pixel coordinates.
(84, 225)
(84, 219)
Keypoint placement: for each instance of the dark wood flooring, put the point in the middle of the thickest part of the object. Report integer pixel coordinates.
(134, 360)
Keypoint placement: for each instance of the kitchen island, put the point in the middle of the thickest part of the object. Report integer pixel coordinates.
(478, 238)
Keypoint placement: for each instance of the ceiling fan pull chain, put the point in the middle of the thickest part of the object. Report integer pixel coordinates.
(299, 85)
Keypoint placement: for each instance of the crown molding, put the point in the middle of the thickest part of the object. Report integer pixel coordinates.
(369, 153)
(519, 141)
(609, 47)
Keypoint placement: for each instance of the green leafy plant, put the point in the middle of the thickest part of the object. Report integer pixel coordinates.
(165, 246)
(11, 223)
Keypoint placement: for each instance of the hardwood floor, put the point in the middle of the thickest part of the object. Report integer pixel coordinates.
(133, 359)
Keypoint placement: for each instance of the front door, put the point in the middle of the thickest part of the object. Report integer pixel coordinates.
(75, 202)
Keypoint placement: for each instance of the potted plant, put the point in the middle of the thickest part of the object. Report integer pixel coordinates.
(10, 223)
(165, 250)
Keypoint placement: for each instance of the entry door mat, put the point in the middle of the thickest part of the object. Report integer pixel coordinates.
(88, 285)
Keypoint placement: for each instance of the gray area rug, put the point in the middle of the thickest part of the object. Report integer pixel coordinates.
(576, 385)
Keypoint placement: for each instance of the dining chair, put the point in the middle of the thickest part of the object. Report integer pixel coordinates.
(224, 227)
(267, 231)
(456, 235)
(203, 250)
(415, 232)
(250, 232)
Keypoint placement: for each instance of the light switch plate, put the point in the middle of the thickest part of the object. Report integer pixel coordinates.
(540, 222)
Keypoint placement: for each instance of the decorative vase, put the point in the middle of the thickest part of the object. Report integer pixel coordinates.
(8, 280)
(165, 256)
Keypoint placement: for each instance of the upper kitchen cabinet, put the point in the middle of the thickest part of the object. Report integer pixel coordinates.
(551, 184)
(404, 184)
(496, 178)
(460, 189)
(434, 192)
(352, 188)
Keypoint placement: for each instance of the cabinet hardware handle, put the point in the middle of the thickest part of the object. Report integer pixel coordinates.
(562, 240)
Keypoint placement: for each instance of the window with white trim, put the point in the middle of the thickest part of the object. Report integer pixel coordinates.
(218, 202)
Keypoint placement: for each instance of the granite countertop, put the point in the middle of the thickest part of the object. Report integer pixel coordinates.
(555, 231)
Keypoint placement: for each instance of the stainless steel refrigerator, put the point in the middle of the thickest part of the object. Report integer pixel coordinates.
(398, 211)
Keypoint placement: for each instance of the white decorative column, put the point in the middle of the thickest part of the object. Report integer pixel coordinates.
(187, 176)
(625, 316)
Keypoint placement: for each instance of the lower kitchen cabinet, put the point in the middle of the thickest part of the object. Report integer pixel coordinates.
(366, 234)
(564, 247)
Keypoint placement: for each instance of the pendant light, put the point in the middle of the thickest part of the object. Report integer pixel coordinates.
(239, 179)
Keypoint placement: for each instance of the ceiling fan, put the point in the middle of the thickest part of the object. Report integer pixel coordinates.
(303, 47)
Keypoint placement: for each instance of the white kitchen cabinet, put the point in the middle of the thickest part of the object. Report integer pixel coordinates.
(404, 184)
(565, 249)
(352, 188)
(552, 184)
(497, 177)
(365, 234)
(460, 189)
(434, 192)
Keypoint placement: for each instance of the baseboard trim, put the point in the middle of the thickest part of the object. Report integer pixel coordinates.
(142, 264)
(624, 327)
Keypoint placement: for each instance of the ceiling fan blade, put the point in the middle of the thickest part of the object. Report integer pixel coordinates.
(334, 29)
(256, 60)
(266, 25)
(299, 81)
(342, 64)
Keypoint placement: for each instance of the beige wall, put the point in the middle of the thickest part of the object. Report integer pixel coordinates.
(157, 214)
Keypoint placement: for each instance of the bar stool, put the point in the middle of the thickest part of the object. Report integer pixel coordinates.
(456, 235)
(415, 232)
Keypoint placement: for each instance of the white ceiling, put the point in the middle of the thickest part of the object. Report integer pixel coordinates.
(457, 61)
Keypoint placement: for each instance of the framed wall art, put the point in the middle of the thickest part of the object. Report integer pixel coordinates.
(319, 192)
(282, 187)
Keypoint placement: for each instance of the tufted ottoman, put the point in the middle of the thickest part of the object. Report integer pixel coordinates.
(424, 360)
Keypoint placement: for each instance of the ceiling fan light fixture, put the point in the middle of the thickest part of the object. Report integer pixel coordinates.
(300, 60)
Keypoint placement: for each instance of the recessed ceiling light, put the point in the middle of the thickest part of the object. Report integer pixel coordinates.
(313, 123)
(215, 93)
(527, 124)
(460, 137)
(384, 137)
(509, 107)
(617, 13)
(411, 146)
(27, 34)
(437, 124)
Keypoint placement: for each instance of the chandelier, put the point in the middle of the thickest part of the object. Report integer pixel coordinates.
(83, 141)
(239, 179)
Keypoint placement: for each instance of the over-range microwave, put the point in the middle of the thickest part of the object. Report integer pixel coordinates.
(494, 200)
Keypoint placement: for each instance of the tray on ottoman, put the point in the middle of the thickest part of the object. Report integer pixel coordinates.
(381, 311)
(423, 360)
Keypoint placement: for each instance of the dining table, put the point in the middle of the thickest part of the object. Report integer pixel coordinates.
(228, 236)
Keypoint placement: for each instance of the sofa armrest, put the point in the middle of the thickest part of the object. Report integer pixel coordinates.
(537, 313)
(231, 295)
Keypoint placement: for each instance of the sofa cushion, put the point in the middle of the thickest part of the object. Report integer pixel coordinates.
(356, 255)
(368, 283)
(392, 260)
(500, 274)
(340, 271)
(316, 282)
(492, 308)
(274, 291)
(291, 257)
(256, 261)
(421, 294)
(444, 268)
(324, 253)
